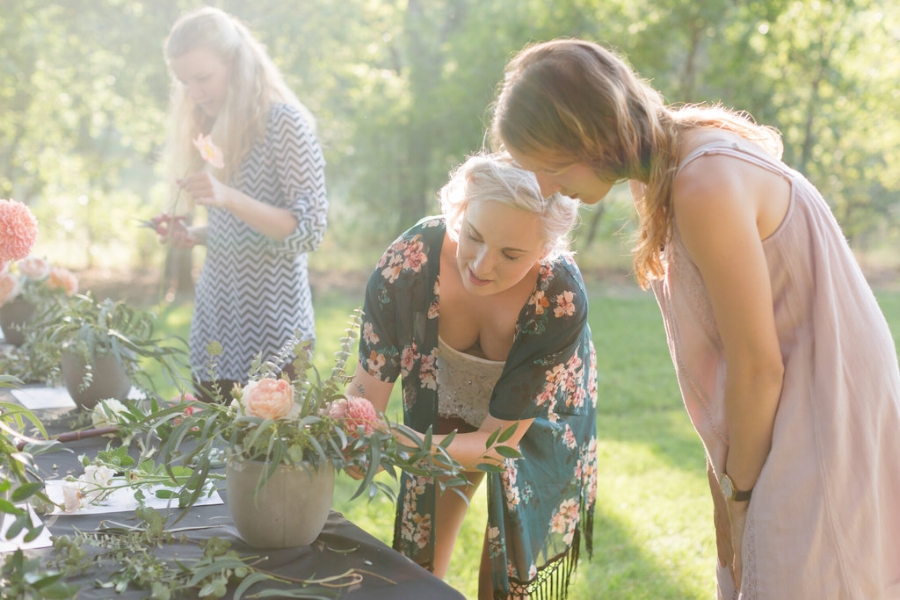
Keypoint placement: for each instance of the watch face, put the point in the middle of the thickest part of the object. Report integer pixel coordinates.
(727, 486)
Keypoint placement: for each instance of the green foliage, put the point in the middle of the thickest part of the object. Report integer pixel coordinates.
(401, 91)
(27, 578)
(138, 566)
(19, 479)
(89, 328)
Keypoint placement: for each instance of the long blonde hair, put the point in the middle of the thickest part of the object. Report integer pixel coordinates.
(582, 103)
(254, 84)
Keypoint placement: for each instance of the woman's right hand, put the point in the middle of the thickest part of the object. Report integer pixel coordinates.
(182, 236)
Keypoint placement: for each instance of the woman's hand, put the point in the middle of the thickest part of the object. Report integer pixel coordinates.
(183, 237)
(205, 189)
(737, 514)
(354, 472)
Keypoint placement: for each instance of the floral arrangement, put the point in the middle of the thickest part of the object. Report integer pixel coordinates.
(33, 279)
(88, 328)
(272, 419)
(308, 420)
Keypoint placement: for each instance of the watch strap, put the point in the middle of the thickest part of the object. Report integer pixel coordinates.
(732, 493)
(741, 496)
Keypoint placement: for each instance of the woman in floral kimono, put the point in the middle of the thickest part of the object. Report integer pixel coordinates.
(483, 314)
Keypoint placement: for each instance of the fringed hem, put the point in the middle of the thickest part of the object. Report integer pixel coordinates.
(552, 580)
(588, 524)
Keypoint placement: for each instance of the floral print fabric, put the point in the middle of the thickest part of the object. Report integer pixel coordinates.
(542, 503)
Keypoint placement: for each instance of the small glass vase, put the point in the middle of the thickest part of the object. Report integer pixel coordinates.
(290, 509)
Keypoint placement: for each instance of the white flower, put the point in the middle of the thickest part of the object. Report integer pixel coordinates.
(106, 413)
(72, 495)
(95, 480)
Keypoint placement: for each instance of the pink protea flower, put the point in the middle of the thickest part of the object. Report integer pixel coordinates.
(268, 398)
(63, 279)
(354, 411)
(34, 268)
(18, 230)
(9, 287)
(209, 151)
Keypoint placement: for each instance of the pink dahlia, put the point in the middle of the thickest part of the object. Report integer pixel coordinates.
(354, 411)
(18, 230)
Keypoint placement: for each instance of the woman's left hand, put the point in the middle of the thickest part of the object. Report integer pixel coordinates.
(205, 189)
(737, 514)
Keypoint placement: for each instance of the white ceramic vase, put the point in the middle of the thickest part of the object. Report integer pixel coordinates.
(290, 509)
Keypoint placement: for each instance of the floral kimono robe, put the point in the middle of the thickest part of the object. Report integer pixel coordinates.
(543, 503)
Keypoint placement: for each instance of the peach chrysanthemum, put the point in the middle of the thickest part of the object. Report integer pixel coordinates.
(18, 230)
(354, 411)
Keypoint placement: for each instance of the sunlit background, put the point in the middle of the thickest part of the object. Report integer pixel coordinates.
(401, 90)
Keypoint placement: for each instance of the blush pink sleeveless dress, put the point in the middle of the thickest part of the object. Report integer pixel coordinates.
(824, 520)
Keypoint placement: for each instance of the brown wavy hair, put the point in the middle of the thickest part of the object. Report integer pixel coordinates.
(579, 102)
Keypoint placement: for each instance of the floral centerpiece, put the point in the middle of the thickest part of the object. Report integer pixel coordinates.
(82, 334)
(18, 233)
(274, 422)
(275, 425)
(35, 280)
(27, 287)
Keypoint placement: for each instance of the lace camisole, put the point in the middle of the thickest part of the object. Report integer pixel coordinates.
(465, 384)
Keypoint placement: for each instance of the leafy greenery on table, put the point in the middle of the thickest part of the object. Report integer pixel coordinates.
(89, 327)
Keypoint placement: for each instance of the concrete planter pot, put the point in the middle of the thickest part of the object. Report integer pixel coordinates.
(109, 379)
(290, 509)
(14, 317)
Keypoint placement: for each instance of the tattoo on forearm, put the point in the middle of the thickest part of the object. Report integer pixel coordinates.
(361, 390)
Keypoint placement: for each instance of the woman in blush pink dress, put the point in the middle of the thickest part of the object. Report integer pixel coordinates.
(785, 361)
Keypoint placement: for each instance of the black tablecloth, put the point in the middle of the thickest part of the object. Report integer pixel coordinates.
(340, 547)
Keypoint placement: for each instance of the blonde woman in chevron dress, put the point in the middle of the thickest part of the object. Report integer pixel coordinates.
(266, 206)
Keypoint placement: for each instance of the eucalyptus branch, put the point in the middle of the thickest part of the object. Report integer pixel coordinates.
(133, 550)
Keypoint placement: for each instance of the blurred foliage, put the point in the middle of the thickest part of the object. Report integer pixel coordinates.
(402, 91)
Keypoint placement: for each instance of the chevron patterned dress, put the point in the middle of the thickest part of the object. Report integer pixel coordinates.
(253, 291)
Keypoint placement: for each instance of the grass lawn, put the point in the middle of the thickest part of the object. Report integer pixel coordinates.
(653, 535)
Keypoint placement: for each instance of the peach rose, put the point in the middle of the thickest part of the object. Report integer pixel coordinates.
(9, 287)
(63, 279)
(34, 268)
(268, 398)
(354, 411)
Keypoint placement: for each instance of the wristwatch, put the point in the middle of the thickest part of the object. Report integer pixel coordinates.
(729, 491)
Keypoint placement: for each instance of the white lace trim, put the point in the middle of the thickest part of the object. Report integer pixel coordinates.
(465, 383)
